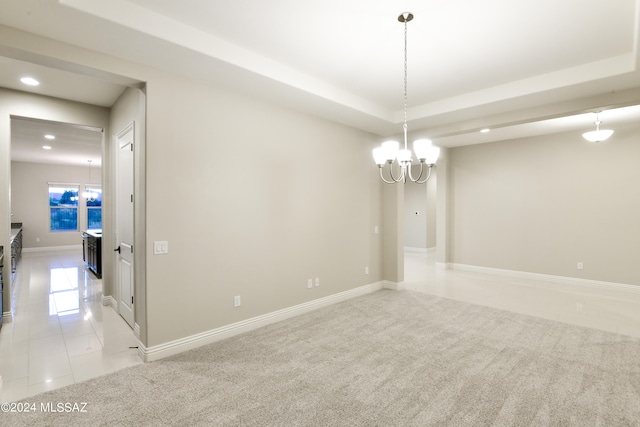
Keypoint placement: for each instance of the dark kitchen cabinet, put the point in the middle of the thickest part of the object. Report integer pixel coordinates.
(92, 251)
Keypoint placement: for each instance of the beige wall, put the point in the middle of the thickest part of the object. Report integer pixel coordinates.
(415, 225)
(30, 201)
(393, 232)
(544, 204)
(431, 214)
(253, 199)
(420, 229)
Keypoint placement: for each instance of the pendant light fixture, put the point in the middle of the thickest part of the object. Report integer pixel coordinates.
(91, 196)
(426, 153)
(597, 135)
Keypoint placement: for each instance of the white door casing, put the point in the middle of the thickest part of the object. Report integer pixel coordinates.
(124, 222)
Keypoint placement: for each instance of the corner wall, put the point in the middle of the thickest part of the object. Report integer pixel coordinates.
(543, 204)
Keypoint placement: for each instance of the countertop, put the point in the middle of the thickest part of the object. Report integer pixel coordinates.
(14, 232)
(93, 233)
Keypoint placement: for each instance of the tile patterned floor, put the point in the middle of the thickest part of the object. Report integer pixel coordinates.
(613, 310)
(60, 334)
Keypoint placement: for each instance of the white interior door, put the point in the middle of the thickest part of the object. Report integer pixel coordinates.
(124, 222)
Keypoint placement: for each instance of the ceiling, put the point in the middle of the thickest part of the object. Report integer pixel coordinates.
(516, 67)
(73, 144)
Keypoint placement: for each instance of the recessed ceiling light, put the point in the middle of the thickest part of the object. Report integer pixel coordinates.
(30, 81)
(48, 136)
(46, 147)
(485, 130)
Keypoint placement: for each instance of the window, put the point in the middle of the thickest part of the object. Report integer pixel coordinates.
(93, 195)
(63, 207)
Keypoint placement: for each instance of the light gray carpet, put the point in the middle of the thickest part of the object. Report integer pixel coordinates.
(384, 359)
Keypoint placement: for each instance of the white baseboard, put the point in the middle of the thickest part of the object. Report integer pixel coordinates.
(419, 250)
(416, 250)
(156, 352)
(394, 286)
(53, 248)
(546, 277)
(7, 317)
(443, 265)
(110, 301)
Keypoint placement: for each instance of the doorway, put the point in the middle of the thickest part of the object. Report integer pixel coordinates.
(56, 181)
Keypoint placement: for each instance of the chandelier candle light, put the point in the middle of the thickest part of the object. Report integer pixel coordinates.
(426, 153)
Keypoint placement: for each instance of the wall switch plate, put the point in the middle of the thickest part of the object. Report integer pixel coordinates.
(376, 230)
(366, 270)
(160, 247)
(236, 301)
(580, 266)
(310, 283)
(317, 281)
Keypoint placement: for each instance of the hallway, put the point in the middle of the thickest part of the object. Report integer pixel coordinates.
(61, 334)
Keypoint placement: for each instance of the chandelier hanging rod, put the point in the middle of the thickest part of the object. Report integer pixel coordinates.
(426, 153)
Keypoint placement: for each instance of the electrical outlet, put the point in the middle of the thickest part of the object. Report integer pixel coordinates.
(310, 283)
(376, 230)
(236, 301)
(366, 270)
(580, 266)
(317, 281)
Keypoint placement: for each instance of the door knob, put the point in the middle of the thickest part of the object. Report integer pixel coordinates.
(117, 249)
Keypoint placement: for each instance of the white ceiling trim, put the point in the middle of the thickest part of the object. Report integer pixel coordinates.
(164, 28)
(165, 42)
(611, 67)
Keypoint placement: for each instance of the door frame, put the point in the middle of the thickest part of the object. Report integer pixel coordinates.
(130, 109)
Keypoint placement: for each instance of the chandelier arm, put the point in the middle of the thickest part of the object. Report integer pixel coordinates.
(427, 177)
(401, 178)
(419, 175)
(384, 179)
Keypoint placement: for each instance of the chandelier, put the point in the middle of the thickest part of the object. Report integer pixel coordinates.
(597, 135)
(91, 196)
(426, 153)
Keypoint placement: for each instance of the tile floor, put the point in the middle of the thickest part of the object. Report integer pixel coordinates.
(60, 334)
(610, 310)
